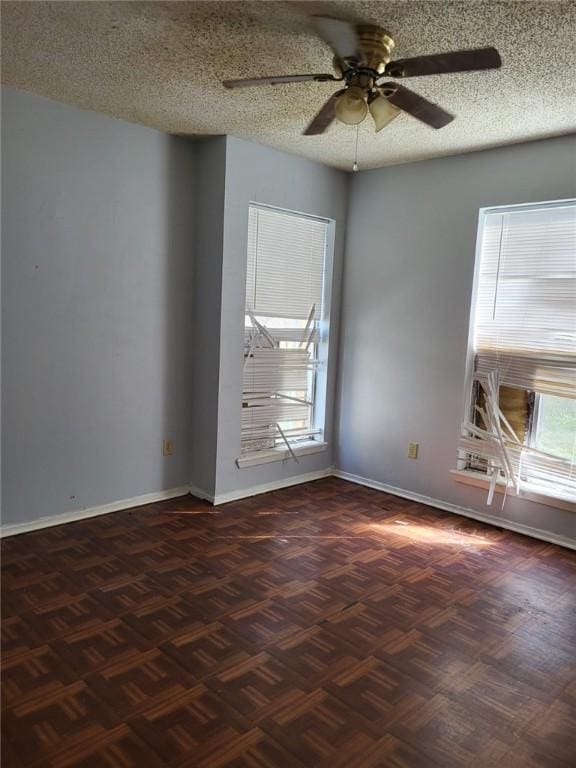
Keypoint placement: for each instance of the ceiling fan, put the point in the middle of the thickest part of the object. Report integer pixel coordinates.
(362, 62)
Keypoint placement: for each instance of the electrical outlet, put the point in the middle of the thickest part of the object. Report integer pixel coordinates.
(413, 450)
(167, 448)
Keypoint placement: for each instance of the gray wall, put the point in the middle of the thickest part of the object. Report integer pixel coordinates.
(97, 234)
(207, 302)
(264, 175)
(406, 302)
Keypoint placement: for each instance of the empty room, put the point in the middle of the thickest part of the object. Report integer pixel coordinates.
(288, 384)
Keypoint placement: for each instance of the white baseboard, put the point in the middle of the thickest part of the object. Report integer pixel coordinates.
(223, 498)
(526, 530)
(200, 494)
(171, 493)
(12, 529)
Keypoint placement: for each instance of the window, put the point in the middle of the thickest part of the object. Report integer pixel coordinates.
(285, 335)
(555, 425)
(521, 426)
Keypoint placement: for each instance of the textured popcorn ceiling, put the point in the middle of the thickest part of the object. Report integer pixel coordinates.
(162, 63)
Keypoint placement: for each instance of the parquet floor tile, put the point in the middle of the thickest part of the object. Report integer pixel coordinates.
(45, 590)
(118, 746)
(257, 685)
(326, 625)
(178, 727)
(316, 727)
(17, 636)
(163, 619)
(309, 601)
(445, 731)
(40, 671)
(41, 726)
(239, 749)
(95, 647)
(138, 681)
(70, 614)
(315, 654)
(206, 649)
(380, 693)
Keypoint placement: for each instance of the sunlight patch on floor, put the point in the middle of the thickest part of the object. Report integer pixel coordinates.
(430, 534)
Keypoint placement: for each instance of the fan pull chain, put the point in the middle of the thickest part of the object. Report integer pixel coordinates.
(355, 166)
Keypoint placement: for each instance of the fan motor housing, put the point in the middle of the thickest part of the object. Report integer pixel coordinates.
(375, 46)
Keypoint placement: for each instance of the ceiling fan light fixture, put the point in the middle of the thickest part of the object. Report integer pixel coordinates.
(350, 107)
(382, 111)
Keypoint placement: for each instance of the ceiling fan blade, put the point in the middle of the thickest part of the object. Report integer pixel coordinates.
(416, 105)
(339, 34)
(324, 118)
(279, 79)
(442, 63)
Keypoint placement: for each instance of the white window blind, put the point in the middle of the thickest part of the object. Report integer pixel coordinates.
(285, 263)
(525, 323)
(524, 336)
(284, 310)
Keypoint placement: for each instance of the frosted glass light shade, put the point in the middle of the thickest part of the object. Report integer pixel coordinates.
(351, 107)
(382, 112)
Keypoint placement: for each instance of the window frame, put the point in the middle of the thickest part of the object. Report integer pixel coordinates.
(463, 472)
(316, 443)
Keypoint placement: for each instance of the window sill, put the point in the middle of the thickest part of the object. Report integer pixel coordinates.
(280, 454)
(479, 480)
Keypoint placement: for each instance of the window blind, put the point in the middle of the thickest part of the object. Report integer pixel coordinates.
(510, 460)
(525, 323)
(285, 263)
(284, 307)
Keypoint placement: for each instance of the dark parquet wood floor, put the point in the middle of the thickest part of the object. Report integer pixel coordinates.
(326, 625)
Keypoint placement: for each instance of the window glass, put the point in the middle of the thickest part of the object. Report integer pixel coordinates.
(556, 426)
